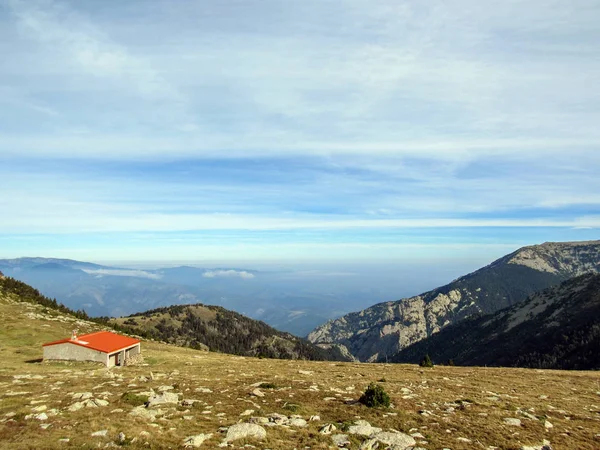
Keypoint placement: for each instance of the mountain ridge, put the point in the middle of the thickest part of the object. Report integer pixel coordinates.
(557, 328)
(383, 329)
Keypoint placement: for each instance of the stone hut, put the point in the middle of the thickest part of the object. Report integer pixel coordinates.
(105, 347)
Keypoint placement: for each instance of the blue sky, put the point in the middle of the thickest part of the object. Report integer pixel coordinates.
(314, 130)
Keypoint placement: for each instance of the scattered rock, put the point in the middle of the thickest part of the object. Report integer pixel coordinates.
(395, 439)
(305, 372)
(512, 422)
(544, 446)
(341, 440)
(245, 430)
(203, 390)
(369, 444)
(328, 429)
(257, 393)
(147, 414)
(314, 419)
(121, 437)
(298, 423)
(548, 425)
(363, 428)
(82, 395)
(41, 416)
(528, 415)
(260, 420)
(101, 433)
(196, 441)
(247, 412)
(89, 403)
(161, 399)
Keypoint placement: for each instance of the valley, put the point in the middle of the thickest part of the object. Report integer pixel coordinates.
(291, 299)
(384, 329)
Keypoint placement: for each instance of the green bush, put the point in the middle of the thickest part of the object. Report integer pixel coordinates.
(134, 399)
(426, 362)
(375, 397)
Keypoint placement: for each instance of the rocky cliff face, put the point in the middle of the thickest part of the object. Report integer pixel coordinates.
(558, 328)
(384, 329)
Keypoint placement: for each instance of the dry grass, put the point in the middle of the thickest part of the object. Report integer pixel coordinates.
(481, 398)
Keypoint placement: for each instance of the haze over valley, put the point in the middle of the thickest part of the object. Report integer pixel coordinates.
(294, 299)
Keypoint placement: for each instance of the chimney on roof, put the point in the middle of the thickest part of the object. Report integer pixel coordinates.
(74, 335)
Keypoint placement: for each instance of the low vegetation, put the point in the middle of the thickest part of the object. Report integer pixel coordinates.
(375, 397)
(426, 361)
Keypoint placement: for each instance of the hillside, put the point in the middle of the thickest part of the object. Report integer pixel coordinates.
(215, 328)
(208, 396)
(558, 328)
(386, 328)
(197, 326)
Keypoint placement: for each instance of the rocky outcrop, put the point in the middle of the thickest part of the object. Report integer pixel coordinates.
(382, 330)
(244, 431)
(568, 259)
(558, 328)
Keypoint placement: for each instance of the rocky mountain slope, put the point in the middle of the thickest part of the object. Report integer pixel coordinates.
(382, 330)
(197, 326)
(183, 398)
(558, 328)
(218, 329)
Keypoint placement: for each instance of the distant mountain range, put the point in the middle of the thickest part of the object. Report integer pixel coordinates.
(558, 328)
(285, 300)
(383, 330)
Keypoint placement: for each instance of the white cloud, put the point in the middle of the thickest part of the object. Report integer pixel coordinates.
(407, 116)
(74, 36)
(123, 273)
(228, 274)
(448, 81)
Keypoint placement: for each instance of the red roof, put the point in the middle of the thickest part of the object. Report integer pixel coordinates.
(103, 341)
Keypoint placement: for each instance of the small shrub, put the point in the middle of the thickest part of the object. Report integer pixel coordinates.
(375, 397)
(426, 362)
(382, 380)
(267, 386)
(450, 362)
(134, 399)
